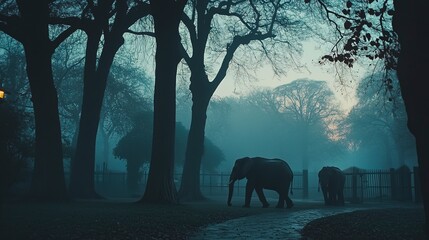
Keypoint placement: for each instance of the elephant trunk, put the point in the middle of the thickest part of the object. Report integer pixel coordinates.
(231, 190)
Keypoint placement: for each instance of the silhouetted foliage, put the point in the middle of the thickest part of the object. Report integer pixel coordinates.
(15, 145)
(363, 29)
(136, 146)
(378, 125)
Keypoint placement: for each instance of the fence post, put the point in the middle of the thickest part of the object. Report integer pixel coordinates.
(403, 181)
(221, 182)
(211, 182)
(417, 189)
(393, 183)
(305, 183)
(380, 188)
(361, 187)
(355, 198)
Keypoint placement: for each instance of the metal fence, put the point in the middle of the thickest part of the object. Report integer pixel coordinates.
(379, 185)
(361, 185)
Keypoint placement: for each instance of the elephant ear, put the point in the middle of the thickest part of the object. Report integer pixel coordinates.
(322, 171)
(246, 165)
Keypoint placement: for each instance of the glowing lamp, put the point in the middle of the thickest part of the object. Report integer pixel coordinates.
(2, 94)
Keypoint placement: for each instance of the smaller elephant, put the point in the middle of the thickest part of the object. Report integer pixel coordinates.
(273, 174)
(332, 180)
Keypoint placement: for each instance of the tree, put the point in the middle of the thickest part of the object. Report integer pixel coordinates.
(160, 186)
(67, 64)
(12, 78)
(375, 119)
(311, 104)
(411, 26)
(27, 22)
(15, 144)
(96, 22)
(223, 27)
(136, 146)
(126, 94)
(400, 36)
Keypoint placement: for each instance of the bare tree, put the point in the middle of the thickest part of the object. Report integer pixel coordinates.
(310, 103)
(110, 20)
(374, 117)
(27, 22)
(160, 187)
(217, 30)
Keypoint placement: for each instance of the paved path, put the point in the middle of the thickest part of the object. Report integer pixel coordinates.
(278, 225)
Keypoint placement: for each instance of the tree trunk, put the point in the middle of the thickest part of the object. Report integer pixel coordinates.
(48, 177)
(82, 165)
(190, 186)
(106, 146)
(133, 173)
(95, 79)
(411, 24)
(160, 187)
(304, 147)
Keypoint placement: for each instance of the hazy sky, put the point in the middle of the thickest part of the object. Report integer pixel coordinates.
(313, 70)
(312, 52)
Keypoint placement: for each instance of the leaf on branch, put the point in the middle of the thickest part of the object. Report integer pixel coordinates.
(368, 36)
(362, 14)
(347, 24)
(348, 47)
(329, 57)
(349, 4)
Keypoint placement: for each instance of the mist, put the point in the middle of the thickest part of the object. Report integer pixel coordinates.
(243, 126)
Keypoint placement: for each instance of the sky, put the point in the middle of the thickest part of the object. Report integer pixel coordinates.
(312, 52)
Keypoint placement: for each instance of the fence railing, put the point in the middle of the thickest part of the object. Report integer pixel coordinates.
(361, 185)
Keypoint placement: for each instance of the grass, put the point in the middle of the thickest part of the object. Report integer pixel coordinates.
(113, 220)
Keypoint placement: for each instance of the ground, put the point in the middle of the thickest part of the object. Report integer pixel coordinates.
(406, 223)
(111, 220)
(129, 220)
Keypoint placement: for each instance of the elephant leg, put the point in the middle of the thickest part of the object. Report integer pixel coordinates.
(284, 197)
(325, 195)
(335, 198)
(249, 190)
(289, 203)
(281, 202)
(262, 197)
(331, 197)
(341, 197)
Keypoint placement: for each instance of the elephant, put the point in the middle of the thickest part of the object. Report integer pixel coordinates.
(272, 174)
(332, 180)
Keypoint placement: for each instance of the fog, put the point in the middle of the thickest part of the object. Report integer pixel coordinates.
(240, 127)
